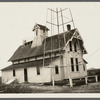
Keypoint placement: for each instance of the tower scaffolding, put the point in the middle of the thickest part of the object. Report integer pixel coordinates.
(58, 24)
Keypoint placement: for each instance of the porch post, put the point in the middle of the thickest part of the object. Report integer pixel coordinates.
(53, 81)
(86, 79)
(96, 78)
(52, 76)
(70, 82)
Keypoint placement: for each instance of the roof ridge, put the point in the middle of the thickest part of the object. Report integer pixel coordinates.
(62, 33)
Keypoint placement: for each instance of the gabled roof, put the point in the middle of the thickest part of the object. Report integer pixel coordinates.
(25, 51)
(36, 63)
(41, 27)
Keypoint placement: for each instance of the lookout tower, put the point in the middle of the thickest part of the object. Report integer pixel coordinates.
(40, 32)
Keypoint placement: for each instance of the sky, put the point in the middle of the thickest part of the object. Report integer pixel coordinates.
(18, 19)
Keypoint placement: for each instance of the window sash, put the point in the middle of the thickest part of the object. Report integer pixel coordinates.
(75, 47)
(56, 69)
(84, 67)
(38, 70)
(43, 30)
(77, 66)
(36, 32)
(13, 72)
(72, 64)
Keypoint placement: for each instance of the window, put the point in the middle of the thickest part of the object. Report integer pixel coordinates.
(70, 45)
(75, 47)
(25, 75)
(43, 30)
(77, 67)
(84, 67)
(56, 69)
(38, 70)
(13, 72)
(36, 32)
(72, 64)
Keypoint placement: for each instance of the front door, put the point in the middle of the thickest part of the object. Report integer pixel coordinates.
(25, 75)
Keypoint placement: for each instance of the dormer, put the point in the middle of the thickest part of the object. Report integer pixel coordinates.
(40, 30)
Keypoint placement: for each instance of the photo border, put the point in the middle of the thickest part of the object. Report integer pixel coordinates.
(49, 96)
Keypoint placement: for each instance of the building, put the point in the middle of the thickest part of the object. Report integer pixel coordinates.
(48, 58)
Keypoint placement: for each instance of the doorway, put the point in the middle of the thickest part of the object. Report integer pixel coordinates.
(25, 75)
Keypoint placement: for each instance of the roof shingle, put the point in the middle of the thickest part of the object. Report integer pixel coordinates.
(25, 51)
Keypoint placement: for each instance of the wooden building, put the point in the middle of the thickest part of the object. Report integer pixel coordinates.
(48, 58)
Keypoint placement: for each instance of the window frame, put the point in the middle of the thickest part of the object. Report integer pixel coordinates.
(36, 32)
(38, 70)
(56, 69)
(72, 64)
(43, 30)
(77, 64)
(75, 47)
(14, 73)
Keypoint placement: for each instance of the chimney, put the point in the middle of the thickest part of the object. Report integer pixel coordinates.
(68, 27)
(24, 41)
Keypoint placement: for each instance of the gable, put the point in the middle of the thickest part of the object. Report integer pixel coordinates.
(38, 26)
(77, 35)
(35, 27)
(77, 38)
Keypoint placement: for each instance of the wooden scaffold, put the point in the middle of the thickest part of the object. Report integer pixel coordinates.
(59, 23)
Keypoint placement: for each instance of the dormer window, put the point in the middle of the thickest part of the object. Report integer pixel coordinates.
(43, 30)
(36, 32)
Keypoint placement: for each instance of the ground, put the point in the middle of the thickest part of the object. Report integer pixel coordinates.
(89, 88)
(34, 88)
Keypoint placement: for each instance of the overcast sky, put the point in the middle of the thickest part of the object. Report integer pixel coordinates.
(18, 19)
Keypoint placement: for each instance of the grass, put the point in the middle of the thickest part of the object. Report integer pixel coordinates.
(31, 88)
(15, 88)
(89, 88)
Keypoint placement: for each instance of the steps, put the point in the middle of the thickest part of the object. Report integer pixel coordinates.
(11, 81)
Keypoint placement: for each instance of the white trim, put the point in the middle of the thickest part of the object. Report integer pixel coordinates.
(78, 38)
